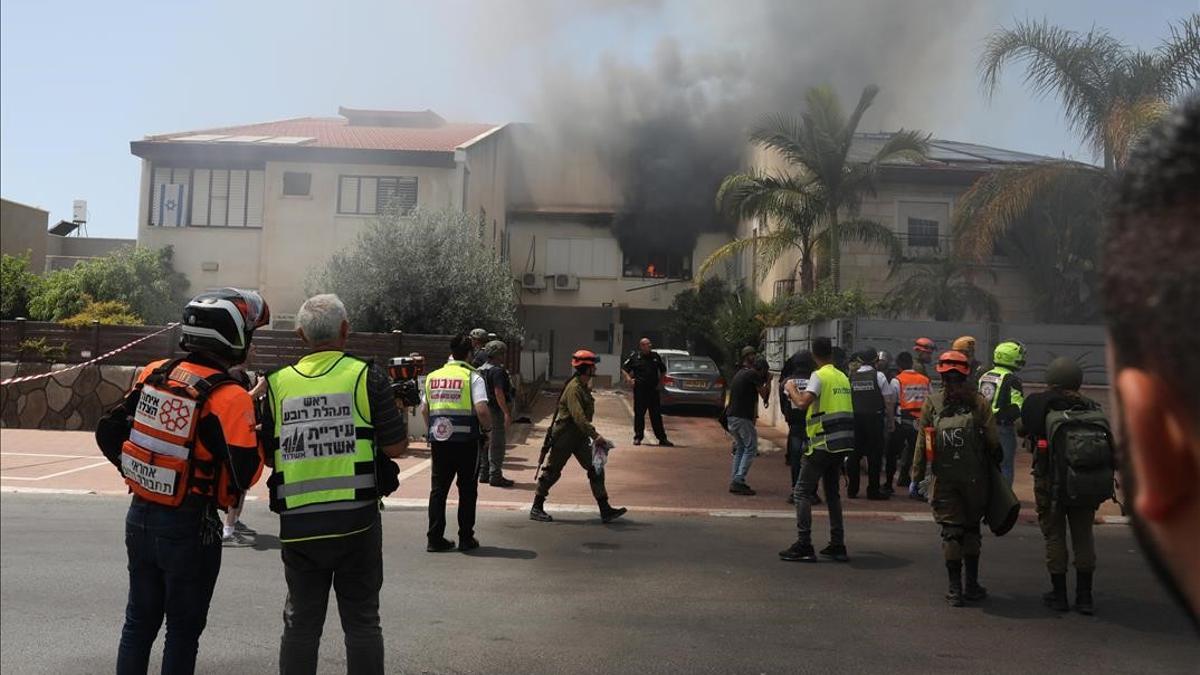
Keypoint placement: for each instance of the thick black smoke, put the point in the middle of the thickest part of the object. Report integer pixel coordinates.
(669, 129)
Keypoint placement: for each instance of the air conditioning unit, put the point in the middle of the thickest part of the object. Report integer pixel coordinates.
(566, 282)
(532, 281)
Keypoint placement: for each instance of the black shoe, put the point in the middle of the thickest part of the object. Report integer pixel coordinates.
(539, 514)
(879, 497)
(887, 490)
(468, 544)
(664, 443)
(973, 591)
(483, 478)
(954, 593)
(851, 495)
(637, 441)
(1056, 599)
(798, 552)
(741, 489)
(1083, 593)
(791, 499)
(501, 482)
(611, 514)
(902, 482)
(439, 545)
(837, 552)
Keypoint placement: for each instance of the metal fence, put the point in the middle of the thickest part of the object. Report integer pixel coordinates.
(1043, 342)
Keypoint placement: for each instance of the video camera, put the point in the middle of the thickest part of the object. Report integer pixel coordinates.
(404, 372)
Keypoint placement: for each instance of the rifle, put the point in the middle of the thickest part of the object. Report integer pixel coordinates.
(548, 441)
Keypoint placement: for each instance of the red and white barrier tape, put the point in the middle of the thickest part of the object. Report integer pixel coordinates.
(118, 350)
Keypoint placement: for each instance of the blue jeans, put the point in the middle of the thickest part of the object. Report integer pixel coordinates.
(174, 559)
(745, 445)
(1008, 443)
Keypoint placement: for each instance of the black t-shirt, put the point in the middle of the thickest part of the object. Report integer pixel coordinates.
(644, 368)
(743, 394)
(496, 376)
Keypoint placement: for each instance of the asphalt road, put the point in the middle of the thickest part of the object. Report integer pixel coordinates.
(651, 594)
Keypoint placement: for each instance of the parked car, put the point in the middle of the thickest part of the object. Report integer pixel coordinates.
(691, 380)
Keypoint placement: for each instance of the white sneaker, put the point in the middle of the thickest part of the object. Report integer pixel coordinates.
(236, 540)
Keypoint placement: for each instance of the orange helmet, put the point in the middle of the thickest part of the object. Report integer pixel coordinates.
(584, 357)
(925, 345)
(954, 361)
(965, 343)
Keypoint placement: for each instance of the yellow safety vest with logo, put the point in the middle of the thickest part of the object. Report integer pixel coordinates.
(831, 417)
(452, 416)
(324, 480)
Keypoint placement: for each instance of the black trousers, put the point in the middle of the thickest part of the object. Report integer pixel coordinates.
(900, 453)
(453, 463)
(645, 399)
(868, 442)
(353, 566)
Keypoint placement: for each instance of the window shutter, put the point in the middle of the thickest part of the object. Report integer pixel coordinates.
(558, 256)
(254, 198)
(367, 195)
(348, 194)
(159, 177)
(237, 198)
(218, 201)
(200, 181)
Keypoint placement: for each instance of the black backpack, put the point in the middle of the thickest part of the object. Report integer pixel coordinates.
(1082, 456)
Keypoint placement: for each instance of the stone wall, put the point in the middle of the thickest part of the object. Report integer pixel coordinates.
(74, 400)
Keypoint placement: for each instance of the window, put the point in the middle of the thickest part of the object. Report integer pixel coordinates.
(207, 197)
(375, 195)
(593, 257)
(296, 183)
(657, 265)
(922, 224)
(922, 232)
(784, 288)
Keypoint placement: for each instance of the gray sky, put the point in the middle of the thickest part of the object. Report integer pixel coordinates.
(79, 80)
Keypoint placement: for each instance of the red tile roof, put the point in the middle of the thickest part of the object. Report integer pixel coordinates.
(337, 132)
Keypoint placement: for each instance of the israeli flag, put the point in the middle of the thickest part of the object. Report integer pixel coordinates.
(170, 204)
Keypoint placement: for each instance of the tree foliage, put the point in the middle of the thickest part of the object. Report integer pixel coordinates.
(143, 279)
(106, 312)
(17, 286)
(428, 272)
(944, 289)
(823, 304)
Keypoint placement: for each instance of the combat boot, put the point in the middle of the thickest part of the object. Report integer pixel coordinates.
(954, 594)
(538, 511)
(1083, 592)
(974, 592)
(1056, 599)
(609, 514)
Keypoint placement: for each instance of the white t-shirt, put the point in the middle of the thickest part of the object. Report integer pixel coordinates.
(814, 385)
(885, 387)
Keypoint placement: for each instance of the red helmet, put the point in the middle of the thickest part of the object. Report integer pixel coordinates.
(954, 361)
(924, 345)
(584, 357)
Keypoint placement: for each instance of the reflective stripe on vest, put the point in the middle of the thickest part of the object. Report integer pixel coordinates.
(914, 389)
(324, 450)
(145, 440)
(831, 417)
(448, 396)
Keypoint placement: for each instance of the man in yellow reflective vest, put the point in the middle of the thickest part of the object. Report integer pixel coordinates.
(456, 416)
(332, 423)
(830, 427)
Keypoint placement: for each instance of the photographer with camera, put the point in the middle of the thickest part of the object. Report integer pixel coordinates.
(500, 394)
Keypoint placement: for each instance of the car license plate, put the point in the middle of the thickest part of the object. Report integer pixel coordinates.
(695, 384)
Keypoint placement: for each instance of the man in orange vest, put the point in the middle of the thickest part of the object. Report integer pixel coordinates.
(914, 389)
(185, 442)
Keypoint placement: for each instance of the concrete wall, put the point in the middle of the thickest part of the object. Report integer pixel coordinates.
(487, 185)
(23, 230)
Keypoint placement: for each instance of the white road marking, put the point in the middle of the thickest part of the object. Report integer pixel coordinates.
(60, 473)
(414, 470)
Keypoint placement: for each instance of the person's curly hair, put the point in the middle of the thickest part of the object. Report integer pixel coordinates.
(1151, 272)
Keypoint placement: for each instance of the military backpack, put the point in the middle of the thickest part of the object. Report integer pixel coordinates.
(958, 445)
(1082, 457)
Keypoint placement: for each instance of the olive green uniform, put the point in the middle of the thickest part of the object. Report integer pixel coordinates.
(959, 505)
(1053, 518)
(572, 434)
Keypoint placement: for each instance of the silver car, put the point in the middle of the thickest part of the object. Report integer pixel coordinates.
(692, 380)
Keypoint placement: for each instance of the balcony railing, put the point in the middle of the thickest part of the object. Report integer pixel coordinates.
(916, 247)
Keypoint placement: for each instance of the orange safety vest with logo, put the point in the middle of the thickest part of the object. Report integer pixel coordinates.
(914, 389)
(163, 461)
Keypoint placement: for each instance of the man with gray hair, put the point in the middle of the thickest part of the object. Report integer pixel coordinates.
(330, 426)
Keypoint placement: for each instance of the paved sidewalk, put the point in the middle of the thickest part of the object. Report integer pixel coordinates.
(691, 478)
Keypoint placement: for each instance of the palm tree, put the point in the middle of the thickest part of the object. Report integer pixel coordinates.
(796, 207)
(1110, 94)
(945, 290)
(823, 182)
